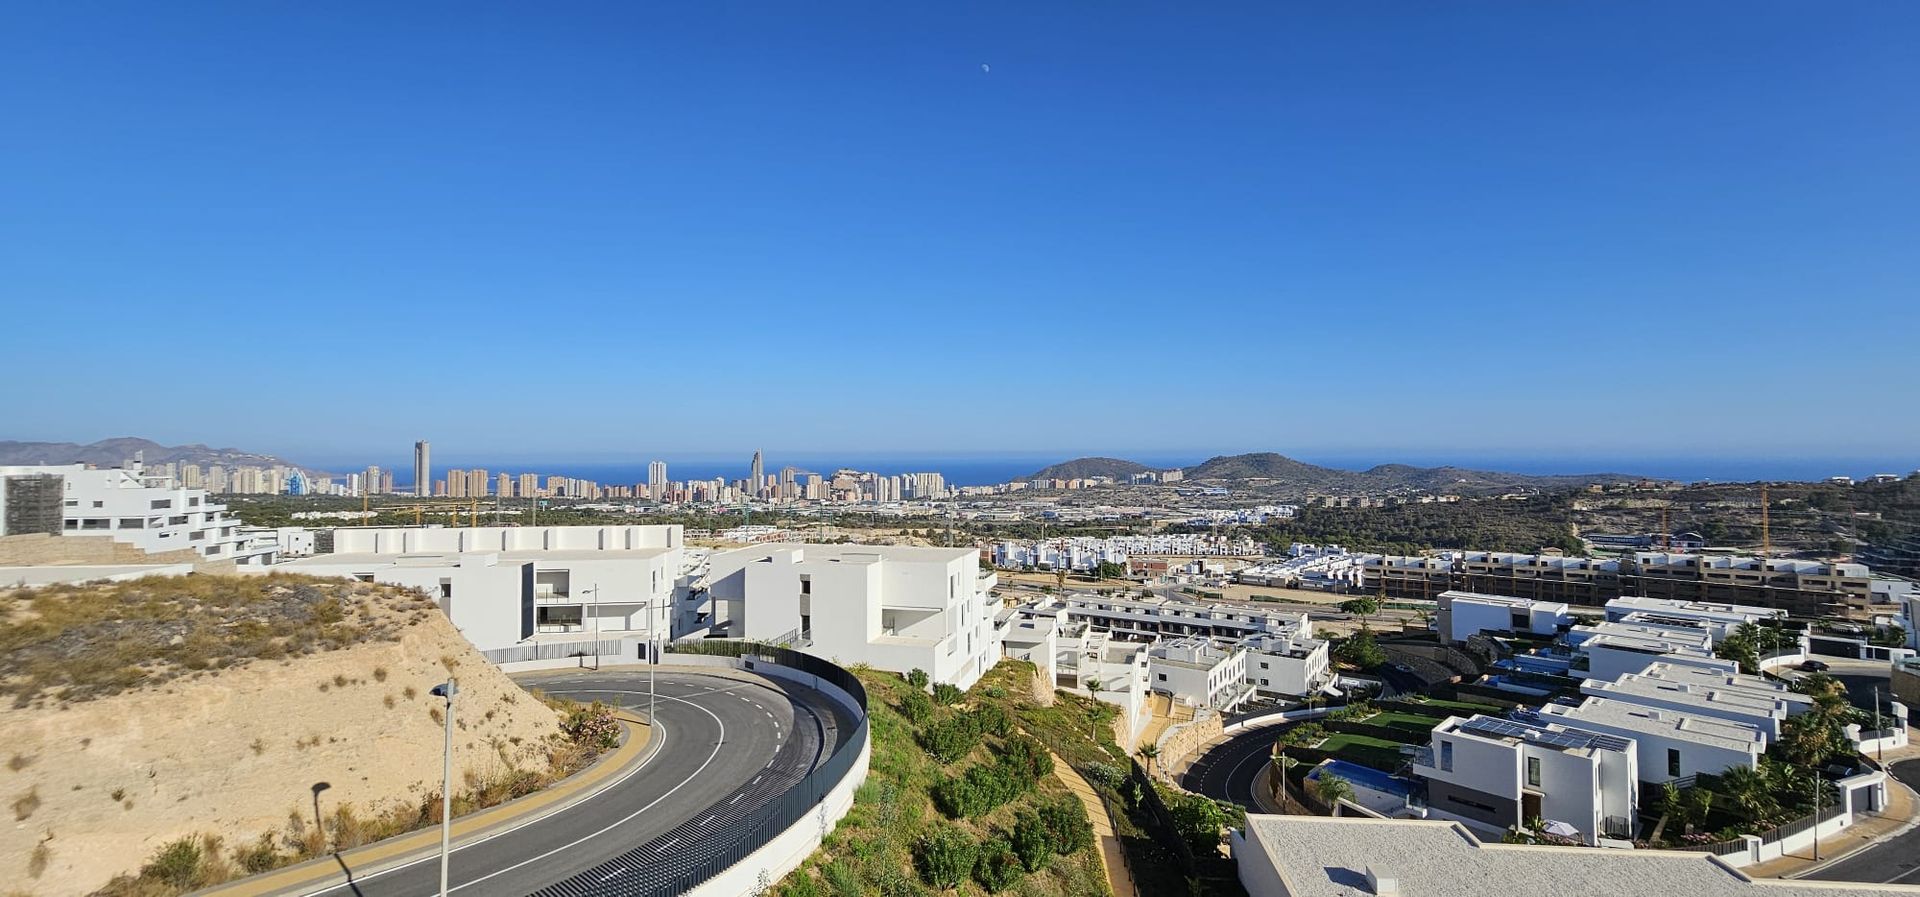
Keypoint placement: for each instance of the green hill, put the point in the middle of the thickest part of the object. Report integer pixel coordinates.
(1081, 468)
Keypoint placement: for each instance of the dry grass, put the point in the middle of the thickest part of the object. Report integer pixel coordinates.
(202, 861)
(77, 642)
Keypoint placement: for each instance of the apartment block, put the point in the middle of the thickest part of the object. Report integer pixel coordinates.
(152, 513)
(1613, 650)
(892, 607)
(1287, 663)
(1499, 773)
(503, 586)
(1672, 744)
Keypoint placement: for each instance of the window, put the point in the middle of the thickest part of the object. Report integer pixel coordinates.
(1673, 762)
(133, 523)
(1163, 677)
(806, 584)
(1263, 664)
(1533, 771)
(72, 504)
(161, 503)
(99, 504)
(1446, 756)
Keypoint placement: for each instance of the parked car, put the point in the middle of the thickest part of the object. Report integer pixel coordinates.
(1814, 666)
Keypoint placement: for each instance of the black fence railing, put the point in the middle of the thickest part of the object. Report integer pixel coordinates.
(700, 850)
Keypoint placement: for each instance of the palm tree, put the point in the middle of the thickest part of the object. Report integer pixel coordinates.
(1748, 789)
(1147, 752)
(1332, 789)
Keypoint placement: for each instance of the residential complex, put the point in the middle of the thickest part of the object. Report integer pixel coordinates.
(1802, 588)
(1459, 616)
(1673, 745)
(891, 607)
(151, 513)
(505, 586)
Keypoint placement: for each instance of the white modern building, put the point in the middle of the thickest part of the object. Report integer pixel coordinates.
(1718, 619)
(1613, 650)
(1499, 773)
(506, 586)
(1156, 617)
(1749, 700)
(1091, 662)
(1462, 615)
(1197, 672)
(152, 513)
(1287, 664)
(1316, 856)
(892, 607)
(1672, 745)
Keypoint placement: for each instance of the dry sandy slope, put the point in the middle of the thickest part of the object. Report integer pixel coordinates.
(235, 753)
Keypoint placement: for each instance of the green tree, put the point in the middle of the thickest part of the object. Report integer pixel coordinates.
(1361, 650)
(917, 678)
(945, 856)
(1363, 607)
(1111, 570)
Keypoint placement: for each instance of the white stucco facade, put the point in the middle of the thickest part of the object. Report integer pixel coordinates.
(151, 513)
(1499, 773)
(1461, 615)
(891, 607)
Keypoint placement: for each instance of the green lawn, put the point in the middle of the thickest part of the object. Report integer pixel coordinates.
(1365, 750)
(1455, 707)
(1414, 725)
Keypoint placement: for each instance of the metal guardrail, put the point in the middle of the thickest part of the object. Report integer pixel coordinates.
(553, 651)
(704, 849)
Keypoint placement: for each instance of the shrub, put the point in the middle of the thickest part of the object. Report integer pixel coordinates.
(1032, 841)
(992, 719)
(1027, 756)
(950, 739)
(1197, 819)
(917, 678)
(591, 725)
(176, 865)
(1067, 825)
(947, 694)
(944, 856)
(1107, 775)
(260, 857)
(995, 867)
(916, 707)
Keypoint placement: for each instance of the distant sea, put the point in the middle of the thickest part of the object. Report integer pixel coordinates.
(987, 470)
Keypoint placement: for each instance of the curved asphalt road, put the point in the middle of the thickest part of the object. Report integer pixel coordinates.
(1894, 860)
(1227, 771)
(727, 746)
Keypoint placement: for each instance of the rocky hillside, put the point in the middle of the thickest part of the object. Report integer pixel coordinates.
(114, 452)
(1080, 468)
(1278, 470)
(141, 713)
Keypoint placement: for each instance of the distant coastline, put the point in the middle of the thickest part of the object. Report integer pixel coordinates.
(990, 470)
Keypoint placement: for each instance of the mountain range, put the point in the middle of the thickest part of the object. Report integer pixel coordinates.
(1273, 469)
(117, 451)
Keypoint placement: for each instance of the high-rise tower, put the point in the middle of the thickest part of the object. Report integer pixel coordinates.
(758, 478)
(656, 480)
(422, 470)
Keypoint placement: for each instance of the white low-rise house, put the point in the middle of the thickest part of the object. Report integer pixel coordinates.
(1717, 618)
(1500, 773)
(1461, 615)
(152, 513)
(1150, 618)
(1196, 671)
(892, 607)
(1091, 662)
(1287, 664)
(507, 586)
(1672, 745)
(1613, 650)
(1750, 700)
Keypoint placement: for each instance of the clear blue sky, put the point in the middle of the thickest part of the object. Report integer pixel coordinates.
(1397, 229)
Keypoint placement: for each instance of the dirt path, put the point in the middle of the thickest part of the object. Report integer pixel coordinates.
(1111, 857)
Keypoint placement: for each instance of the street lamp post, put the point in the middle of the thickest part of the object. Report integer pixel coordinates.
(446, 690)
(596, 626)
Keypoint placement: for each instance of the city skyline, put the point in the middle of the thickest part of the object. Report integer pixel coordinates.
(1426, 222)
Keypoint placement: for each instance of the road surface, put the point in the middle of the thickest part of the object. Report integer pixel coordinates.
(728, 747)
(1894, 860)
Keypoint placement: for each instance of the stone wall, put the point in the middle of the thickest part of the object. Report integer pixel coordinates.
(1180, 742)
(38, 549)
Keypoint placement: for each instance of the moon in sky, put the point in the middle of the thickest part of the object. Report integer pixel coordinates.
(984, 68)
